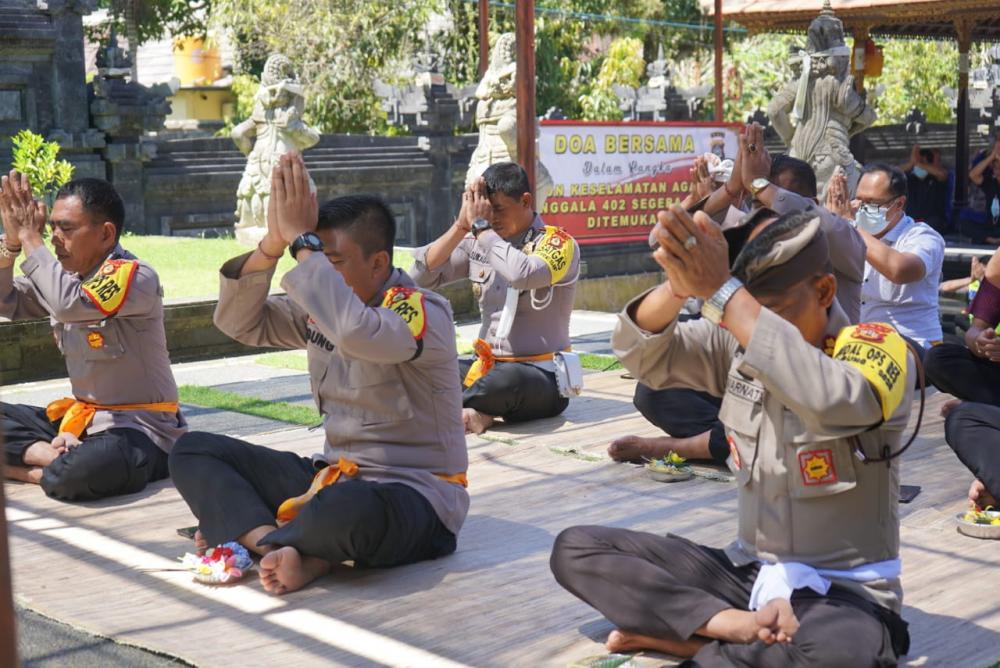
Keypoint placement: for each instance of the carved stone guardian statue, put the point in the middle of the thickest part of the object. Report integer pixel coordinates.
(277, 126)
(817, 114)
(496, 116)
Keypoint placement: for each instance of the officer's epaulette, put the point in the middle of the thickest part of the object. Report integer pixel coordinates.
(108, 288)
(879, 352)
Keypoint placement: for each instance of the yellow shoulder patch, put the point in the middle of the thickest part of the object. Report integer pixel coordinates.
(108, 288)
(879, 352)
(556, 249)
(408, 304)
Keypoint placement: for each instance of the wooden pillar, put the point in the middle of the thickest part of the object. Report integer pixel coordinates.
(860, 39)
(964, 32)
(8, 634)
(718, 62)
(526, 116)
(484, 36)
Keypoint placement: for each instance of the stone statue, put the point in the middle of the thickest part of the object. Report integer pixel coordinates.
(276, 124)
(496, 116)
(818, 114)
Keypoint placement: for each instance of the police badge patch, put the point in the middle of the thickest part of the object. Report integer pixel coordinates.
(408, 304)
(108, 288)
(817, 467)
(556, 250)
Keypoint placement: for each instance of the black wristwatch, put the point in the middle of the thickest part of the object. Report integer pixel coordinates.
(479, 225)
(309, 240)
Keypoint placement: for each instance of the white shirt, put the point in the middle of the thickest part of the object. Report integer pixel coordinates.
(911, 308)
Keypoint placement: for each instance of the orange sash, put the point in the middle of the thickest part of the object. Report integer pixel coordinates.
(77, 414)
(485, 359)
(327, 476)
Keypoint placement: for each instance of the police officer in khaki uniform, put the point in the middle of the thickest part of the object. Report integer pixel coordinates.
(390, 486)
(524, 275)
(106, 310)
(812, 407)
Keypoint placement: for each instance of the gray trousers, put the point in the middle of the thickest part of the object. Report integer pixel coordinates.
(668, 587)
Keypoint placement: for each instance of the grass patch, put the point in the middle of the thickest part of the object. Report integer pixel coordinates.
(238, 403)
(284, 360)
(189, 266)
(600, 362)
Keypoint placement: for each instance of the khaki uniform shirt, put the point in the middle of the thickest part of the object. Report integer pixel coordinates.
(111, 359)
(787, 406)
(493, 265)
(390, 402)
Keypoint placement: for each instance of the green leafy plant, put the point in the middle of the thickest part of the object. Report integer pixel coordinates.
(38, 159)
(623, 65)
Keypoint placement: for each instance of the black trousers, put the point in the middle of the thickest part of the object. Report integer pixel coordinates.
(955, 370)
(108, 463)
(668, 587)
(232, 487)
(683, 413)
(515, 391)
(973, 432)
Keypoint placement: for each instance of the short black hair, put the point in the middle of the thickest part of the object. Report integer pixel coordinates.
(98, 198)
(762, 244)
(897, 179)
(802, 178)
(508, 178)
(366, 219)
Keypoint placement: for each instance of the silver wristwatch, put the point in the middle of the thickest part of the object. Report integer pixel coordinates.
(715, 306)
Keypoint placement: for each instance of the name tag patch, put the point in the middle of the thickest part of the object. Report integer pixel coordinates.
(316, 338)
(817, 467)
(108, 288)
(744, 390)
(408, 304)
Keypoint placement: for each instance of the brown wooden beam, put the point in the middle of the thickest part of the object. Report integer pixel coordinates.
(484, 36)
(526, 116)
(718, 61)
(964, 31)
(8, 630)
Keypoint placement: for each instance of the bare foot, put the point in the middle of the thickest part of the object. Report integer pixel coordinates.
(285, 570)
(948, 406)
(476, 422)
(42, 453)
(624, 641)
(638, 449)
(979, 496)
(31, 475)
(777, 621)
(200, 544)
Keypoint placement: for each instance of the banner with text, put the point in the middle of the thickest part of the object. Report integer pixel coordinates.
(610, 179)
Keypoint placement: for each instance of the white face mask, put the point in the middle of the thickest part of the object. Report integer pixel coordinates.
(872, 218)
(995, 208)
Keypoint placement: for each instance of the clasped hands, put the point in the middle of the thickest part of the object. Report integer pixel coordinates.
(693, 252)
(22, 215)
(291, 208)
(475, 204)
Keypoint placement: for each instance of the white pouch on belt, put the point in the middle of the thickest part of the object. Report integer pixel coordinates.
(569, 374)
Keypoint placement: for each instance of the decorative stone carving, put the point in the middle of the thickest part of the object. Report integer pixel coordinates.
(429, 105)
(659, 99)
(818, 113)
(496, 116)
(274, 128)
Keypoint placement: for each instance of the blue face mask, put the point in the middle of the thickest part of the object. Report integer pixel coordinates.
(871, 219)
(995, 208)
(920, 172)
